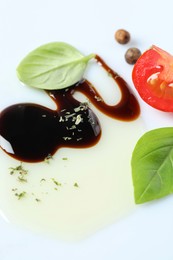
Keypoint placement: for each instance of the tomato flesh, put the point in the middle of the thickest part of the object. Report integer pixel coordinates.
(153, 78)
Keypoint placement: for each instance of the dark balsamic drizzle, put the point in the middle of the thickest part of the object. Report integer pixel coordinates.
(126, 110)
(34, 132)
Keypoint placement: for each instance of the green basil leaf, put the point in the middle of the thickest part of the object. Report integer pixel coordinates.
(152, 165)
(54, 65)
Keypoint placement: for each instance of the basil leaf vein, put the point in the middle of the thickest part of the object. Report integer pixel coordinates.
(152, 165)
(54, 65)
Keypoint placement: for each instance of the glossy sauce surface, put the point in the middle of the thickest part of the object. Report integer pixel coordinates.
(77, 191)
(34, 132)
(102, 196)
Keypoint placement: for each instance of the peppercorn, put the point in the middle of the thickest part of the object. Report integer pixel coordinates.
(122, 36)
(132, 55)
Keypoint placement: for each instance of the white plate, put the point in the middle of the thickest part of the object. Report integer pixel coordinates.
(90, 26)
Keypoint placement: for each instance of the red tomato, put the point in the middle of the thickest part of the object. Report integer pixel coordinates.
(153, 78)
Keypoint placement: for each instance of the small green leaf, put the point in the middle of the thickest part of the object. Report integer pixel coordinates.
(152, 165)
(20, 195)
(76, 185)
(54, 65)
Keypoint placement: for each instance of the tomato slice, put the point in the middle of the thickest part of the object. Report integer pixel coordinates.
(153, 78)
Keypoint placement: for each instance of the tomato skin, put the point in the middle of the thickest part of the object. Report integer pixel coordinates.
(152, 76)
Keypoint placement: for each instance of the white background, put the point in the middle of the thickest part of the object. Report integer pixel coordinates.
(89, 26)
